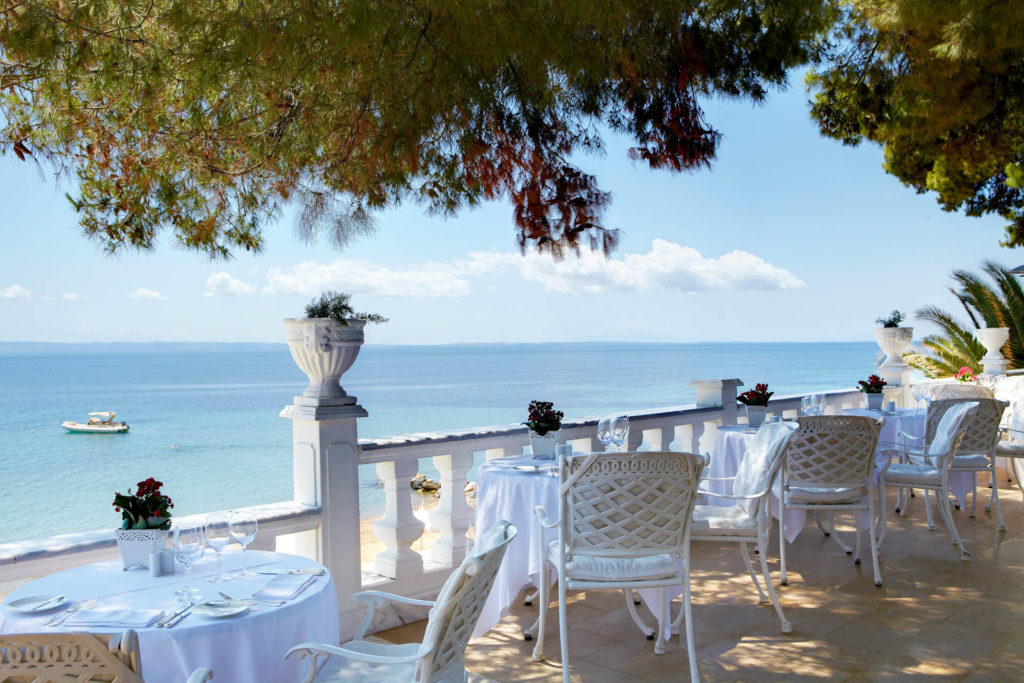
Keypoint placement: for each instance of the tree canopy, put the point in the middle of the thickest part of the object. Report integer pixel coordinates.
(940, 84)
(205, 118)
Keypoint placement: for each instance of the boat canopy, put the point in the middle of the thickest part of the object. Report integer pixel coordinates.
(105, 414)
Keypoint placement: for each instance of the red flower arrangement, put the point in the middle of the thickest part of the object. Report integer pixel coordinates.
(758, 396)
(543, 418)
(147, 508)
(873, 385)
(965, 374)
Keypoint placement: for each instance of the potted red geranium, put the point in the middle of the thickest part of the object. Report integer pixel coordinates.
(756, 401)
(872, 390)
(544, 422)
(145, 521)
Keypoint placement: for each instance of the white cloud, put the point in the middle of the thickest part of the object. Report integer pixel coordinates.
(421, 281)
(143, 293)
(15, 292)
(224, 285)
(666, 266)
(70, 296)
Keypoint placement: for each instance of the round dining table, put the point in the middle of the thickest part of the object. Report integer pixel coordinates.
(245, 648)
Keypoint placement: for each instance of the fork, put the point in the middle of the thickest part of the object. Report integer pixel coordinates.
(52, 621)
(272, 603)
(82, 605)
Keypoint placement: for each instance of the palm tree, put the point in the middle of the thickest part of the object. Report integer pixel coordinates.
(943, 355)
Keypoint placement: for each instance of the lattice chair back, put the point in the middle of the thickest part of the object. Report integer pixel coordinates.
(627, 504)
(950, 432)
(457, 609)
(831, 451)
(64, 657)
(982, 427)
(761, 462)
(960, 390)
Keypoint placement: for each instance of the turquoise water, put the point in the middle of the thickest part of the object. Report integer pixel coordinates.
(204, 417)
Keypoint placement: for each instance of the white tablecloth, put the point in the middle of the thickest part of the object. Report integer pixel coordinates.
(248, 648)
(505, 493)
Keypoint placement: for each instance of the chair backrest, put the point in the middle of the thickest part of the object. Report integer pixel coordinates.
(761, 461)
(982, 426)
(454, 615)
(627, 504)
(62, 657)
(831, 451)
(950, 432)
(936, 391)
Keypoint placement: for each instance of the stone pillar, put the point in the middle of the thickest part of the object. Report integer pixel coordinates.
(325, 472)
(453, 514)
(718, 392)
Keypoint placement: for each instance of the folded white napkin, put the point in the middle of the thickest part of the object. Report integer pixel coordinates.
(284, 587)
(114, 616)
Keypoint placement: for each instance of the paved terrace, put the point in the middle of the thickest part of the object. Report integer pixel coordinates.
(936, 617)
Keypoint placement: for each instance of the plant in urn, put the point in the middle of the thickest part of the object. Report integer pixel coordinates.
(146, 517)
(325, 343)
(756, 401)
(872, 390)
(893, 340)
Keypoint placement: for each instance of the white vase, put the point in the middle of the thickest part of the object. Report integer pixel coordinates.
(543, 446)
(993, 339)
(893, 341)
(324, 350)
(756, 414)
(136, 545)
(874, 401)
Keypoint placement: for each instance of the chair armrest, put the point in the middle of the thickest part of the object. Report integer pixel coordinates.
(905, 435)
(314, 650)
(729, 495)
(200, 676)
(542, 517)
(372, 598)
(717, 478)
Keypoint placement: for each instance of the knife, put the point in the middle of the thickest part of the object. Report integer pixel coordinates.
(178, 617)
(168, 619)
(44, 603)
(313, 572)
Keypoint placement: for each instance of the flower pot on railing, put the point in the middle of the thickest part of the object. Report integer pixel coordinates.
(874, 401)
(993, 339)
(543, 445)
(756, 415)
(894, 342)
(136, 545)
(324, 351)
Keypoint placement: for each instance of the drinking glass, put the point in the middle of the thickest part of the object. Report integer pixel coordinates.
(604, 431)
(807, 405)
(243, 527)
(189, 545)
(820, 402)
(620, 431)
(218, 535)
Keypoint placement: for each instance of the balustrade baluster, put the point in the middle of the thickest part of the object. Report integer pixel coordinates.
(494, 453)
(398, 529)
(453, 515)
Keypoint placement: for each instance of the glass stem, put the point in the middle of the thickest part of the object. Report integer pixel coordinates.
(218, 565)
(188, 583)
(245, 566)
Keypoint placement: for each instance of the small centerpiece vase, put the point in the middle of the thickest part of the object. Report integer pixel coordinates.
(543, 446)
(874, 400)
(756, 415)
(136, 545)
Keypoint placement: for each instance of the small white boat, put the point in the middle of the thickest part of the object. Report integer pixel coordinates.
(99, 423)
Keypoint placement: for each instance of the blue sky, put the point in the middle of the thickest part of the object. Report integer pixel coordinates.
(789, 237)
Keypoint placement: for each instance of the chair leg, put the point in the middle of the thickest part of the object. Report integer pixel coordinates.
(874, 543)
(783, 579)
(691, 649)
(761, 597)
(881, 512)
(835, 535)
(563, 631)
(821, 527)
(928, 509)
(662, 637)
(994, 499)
(900, 502)
(947, 516)
(641, 624)
(544, 602)
(974, 492)
(763, 552)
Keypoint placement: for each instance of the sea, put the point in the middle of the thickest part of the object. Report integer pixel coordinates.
(205, 417)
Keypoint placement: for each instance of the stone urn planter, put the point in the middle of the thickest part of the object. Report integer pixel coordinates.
(993, 339)
(543, 446)
(324, 351)
(756, 415)
(136, 545)
(894, 342)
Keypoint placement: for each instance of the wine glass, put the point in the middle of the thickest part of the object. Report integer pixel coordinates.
(218, 535)
(243, 526)
(807, 404)
(620, 431)
(189, 545)
(819, 402)
(604, 431)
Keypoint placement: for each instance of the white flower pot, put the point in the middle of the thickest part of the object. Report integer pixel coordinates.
(543, 446)
(324, 351)
(874, 401)
(756, 415)
(136, 545)
(894, 342)
(993, 339)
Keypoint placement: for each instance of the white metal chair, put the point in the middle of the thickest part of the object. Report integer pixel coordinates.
(932, 474)
(624, 523)
(750, 520)
(937, 391)
(977, 451)
(80, 657)
(1012, 447)
(828, 467)
(440, 658)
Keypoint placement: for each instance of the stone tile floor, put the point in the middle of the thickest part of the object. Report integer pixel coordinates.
(936, 617)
